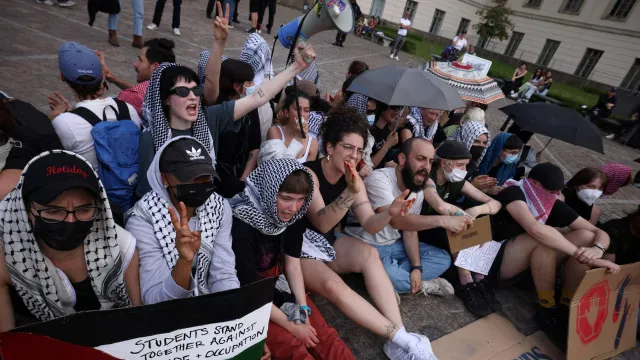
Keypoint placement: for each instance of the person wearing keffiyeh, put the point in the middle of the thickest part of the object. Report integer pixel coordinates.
(182, 224)
(476, 138)
(618, 176)
(530, 215)
(52, 267)
(267, 219)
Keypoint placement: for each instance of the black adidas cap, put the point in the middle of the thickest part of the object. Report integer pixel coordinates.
(186, 159)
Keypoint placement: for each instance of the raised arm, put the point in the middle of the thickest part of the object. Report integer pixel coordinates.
(220, 34)
(304, 56)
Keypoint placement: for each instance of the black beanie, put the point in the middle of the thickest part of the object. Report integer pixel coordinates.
(548, 175)
(453, 150)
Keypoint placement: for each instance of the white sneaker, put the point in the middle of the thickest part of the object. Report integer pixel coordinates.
(514, 95)
(437, 286)
(391, 56)
(259, 31)
(230, 26)
(45, 2)
(393, 351)
(152, 26)
(610, 137)
(397, 58)
(420, 349)
(176, 31)
(67, 4)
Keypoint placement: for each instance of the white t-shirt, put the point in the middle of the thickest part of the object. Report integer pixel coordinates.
(75, 132)
(382, 189)
(462, 43)
(405, 22)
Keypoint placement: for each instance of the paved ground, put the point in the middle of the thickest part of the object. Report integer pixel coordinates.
(30, 35)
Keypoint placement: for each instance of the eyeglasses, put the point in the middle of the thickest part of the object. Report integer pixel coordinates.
(184, 91)
(351, 148)
(56, 215)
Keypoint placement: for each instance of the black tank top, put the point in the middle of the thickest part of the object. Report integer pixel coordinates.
(579, 206)
(329, 193)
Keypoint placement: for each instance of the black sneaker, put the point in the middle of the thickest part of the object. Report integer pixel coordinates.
(488, 295)
(251, 31)
(269, 31)
(473, 300)
(236, 21)
(208, 16)
(554, 324)
(335, 44)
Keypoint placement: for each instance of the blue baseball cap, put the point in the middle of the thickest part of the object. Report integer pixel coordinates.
(77, 60)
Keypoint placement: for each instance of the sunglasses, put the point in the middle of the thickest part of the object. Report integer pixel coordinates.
(184, 91)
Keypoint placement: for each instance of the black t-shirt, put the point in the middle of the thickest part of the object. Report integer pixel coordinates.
(380, 137)
(624, 244)
(505, 227)
(257, 254)
(33, 129)
(579, 206)
(449, 192)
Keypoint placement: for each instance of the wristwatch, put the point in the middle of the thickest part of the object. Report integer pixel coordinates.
(419, 267)
(599, 246)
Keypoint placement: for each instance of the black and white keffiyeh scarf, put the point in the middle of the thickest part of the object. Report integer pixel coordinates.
(315, 122)
(415, 118)
(160, 130)
(358, 102)
(34, 276)
(256, 53)
(202, 64)
(468, 133)
(256, 205)
(310, 73)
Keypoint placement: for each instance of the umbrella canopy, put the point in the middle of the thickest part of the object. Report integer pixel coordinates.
(403, 86)
(470, 83)
(556, 122)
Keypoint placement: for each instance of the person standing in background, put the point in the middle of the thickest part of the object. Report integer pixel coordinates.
(157, 16)
(405, 25)
(138, 18)
(271, 4)
(458, 43)
(341, 36)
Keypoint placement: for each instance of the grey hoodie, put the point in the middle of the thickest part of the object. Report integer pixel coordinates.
(156, 282)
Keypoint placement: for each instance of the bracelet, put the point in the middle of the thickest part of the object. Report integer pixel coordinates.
(305, 307)
(599, 246)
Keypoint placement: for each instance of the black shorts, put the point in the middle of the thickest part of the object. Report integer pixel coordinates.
(255, 6)
(494, 272)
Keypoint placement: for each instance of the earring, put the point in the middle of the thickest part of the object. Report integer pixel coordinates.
(328, 157)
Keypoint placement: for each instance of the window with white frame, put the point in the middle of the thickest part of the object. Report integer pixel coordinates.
(436, 23)
(621, 9)
(588, 62)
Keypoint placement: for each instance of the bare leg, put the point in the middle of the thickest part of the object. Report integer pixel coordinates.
(320, 279)
(525, 252)
(573, 270)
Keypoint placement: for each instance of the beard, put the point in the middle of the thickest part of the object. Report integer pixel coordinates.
(408, 177)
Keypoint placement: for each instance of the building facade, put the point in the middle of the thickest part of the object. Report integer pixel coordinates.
(597, 40)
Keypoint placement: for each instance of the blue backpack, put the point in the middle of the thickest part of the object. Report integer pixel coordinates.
(116, 145)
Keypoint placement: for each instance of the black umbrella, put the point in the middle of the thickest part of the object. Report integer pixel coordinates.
(556, 122)
(403, 86)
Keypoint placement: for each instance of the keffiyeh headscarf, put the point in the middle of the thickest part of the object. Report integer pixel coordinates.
(34, 276)
(315, 122)
(415, 118)
(154, 208)
(256, 53)
(358, 102)
(160, 130)
(468, 133)
(202, 64)
(618, 176)
(256, 205)
(539, 201)
(310, 73)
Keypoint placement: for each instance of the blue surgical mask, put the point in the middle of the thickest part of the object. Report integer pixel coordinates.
(371, 118)
(249, 89)
(510, 159)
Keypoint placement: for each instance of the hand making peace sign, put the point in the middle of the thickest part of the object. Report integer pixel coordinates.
(187, 241)
(221, 24)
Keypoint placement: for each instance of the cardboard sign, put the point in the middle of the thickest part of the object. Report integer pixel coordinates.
(604, 314)
(478, 234)
(230, 324)
(478, 258)
(494, 338)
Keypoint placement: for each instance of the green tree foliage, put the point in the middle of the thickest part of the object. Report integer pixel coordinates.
(495, 22)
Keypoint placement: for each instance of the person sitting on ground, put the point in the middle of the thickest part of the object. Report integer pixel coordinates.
(583, 190)
(501, 160)
(618, 176)
(338, 188)
(63, 253)
(540, 87)
(411, 266)
(241, 147)
(516, 80)
(472, 114)
(183, 227)
(476, 137)
(290, 130)
(266, 218)
(625, 239)
(389, 122)
(174, 97)
(80, 68)
(424, 123)
(153, 53)
(531, 213)
(445, 186)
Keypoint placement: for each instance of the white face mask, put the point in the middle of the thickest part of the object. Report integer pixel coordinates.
(456, 175)
(589, 196)
(4, 152)
(371, 119)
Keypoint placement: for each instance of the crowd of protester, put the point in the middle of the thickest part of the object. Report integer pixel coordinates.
(240, 177)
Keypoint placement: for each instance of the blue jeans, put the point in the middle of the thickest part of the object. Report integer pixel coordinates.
(138, 17)
(395, 260)
(232, 7)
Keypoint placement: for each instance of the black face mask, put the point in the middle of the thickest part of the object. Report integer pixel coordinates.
(62, 236)
(476, 152)
(194, 195)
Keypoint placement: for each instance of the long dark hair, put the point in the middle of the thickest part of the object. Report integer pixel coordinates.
(233, 71)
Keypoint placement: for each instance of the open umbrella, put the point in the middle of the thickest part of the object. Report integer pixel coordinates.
(556, 122)
(470, 83)
(403, 86)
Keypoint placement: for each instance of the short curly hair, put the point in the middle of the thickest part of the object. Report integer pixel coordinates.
(341, 121)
